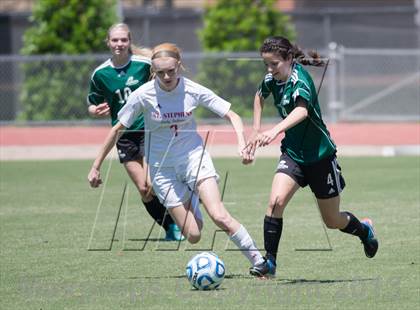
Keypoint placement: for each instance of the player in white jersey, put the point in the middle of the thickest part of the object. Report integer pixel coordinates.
(169, 119)
(175, 152)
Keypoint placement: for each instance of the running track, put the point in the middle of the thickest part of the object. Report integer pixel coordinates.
(83, 142)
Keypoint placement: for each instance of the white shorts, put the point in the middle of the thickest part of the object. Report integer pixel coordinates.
(175, 185)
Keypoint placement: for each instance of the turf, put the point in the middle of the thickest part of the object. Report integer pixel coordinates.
(57, 252)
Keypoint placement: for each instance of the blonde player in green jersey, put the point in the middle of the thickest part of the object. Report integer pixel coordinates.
(308, 152)
(110, 85)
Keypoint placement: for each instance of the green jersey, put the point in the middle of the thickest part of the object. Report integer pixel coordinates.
(309, 141)
(114, 85)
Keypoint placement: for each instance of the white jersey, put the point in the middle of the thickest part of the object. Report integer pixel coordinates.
(171, 131)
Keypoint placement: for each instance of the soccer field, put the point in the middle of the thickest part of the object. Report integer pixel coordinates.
(57, 250)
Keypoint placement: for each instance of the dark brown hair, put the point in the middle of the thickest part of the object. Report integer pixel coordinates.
(281, 46)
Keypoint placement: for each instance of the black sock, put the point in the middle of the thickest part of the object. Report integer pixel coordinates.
(354, 227)
(272, 233)
(157, 212)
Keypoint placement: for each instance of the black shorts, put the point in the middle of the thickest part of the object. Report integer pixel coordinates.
(130, 146)
(323, 177)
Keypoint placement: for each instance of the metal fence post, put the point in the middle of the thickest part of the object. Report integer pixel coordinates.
(341, 66)
(333, 102)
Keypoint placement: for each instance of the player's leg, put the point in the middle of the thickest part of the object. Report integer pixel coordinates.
(175, 196)
(131, 151)
(282, 190)
(286, 182)
(156, 210)
(188, 222)
(348, 223)
(333, 218)
(210, 196)
(327, 182)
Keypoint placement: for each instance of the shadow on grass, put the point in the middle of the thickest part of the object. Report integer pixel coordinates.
(149, 240)
(316, 281)
(280, 281)
(274, 281)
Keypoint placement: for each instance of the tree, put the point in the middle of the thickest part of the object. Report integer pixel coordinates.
(57, 90)
(238, 26)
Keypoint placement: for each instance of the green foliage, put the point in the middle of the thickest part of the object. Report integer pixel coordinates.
(69, 26)
(57, 90)
(238, 26)
(242, 25)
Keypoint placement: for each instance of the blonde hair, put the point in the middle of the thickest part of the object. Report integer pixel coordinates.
(166, 50)
(133, 49)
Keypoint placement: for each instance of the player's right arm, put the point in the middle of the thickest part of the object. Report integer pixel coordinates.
(97, 105)
(100, 110)
(94, 176)
(258, 109)
(126, 116)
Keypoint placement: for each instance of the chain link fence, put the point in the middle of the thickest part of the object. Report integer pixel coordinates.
(377, 85)
(358, 85)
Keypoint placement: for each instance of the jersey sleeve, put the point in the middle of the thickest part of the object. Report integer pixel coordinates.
(264, 89)
(95, 95)
(131, 110)
(214, 103)
(301, 89)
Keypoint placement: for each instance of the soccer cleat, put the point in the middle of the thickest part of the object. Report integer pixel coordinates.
(174, 233)
(266, 269)
(370, 243)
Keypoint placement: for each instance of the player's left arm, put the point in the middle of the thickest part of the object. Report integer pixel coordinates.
(298, 114)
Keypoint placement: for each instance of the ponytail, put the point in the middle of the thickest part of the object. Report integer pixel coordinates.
(311, 59)
(281, 46)
(140, 51)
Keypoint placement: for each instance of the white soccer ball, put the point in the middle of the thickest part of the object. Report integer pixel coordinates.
(205, 271)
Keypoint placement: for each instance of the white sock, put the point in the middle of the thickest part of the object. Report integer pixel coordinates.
(244, 242)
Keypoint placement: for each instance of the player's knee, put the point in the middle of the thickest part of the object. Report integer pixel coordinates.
(145, 193)
(194, 238)
(222, 220)
(277, 205)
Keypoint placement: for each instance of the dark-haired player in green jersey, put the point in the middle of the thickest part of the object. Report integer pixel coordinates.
(308, 152)
(110, 85)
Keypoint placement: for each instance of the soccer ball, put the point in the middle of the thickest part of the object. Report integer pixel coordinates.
(205, 271)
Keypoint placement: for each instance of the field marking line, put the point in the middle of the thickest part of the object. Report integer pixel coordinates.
(108, 172)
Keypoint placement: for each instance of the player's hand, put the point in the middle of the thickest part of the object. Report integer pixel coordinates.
(248, 153)
(94, 177)
(268, 136)
(246, 159)
(102, 110)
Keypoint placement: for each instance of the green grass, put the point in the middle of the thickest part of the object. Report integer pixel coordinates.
(48, 212)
